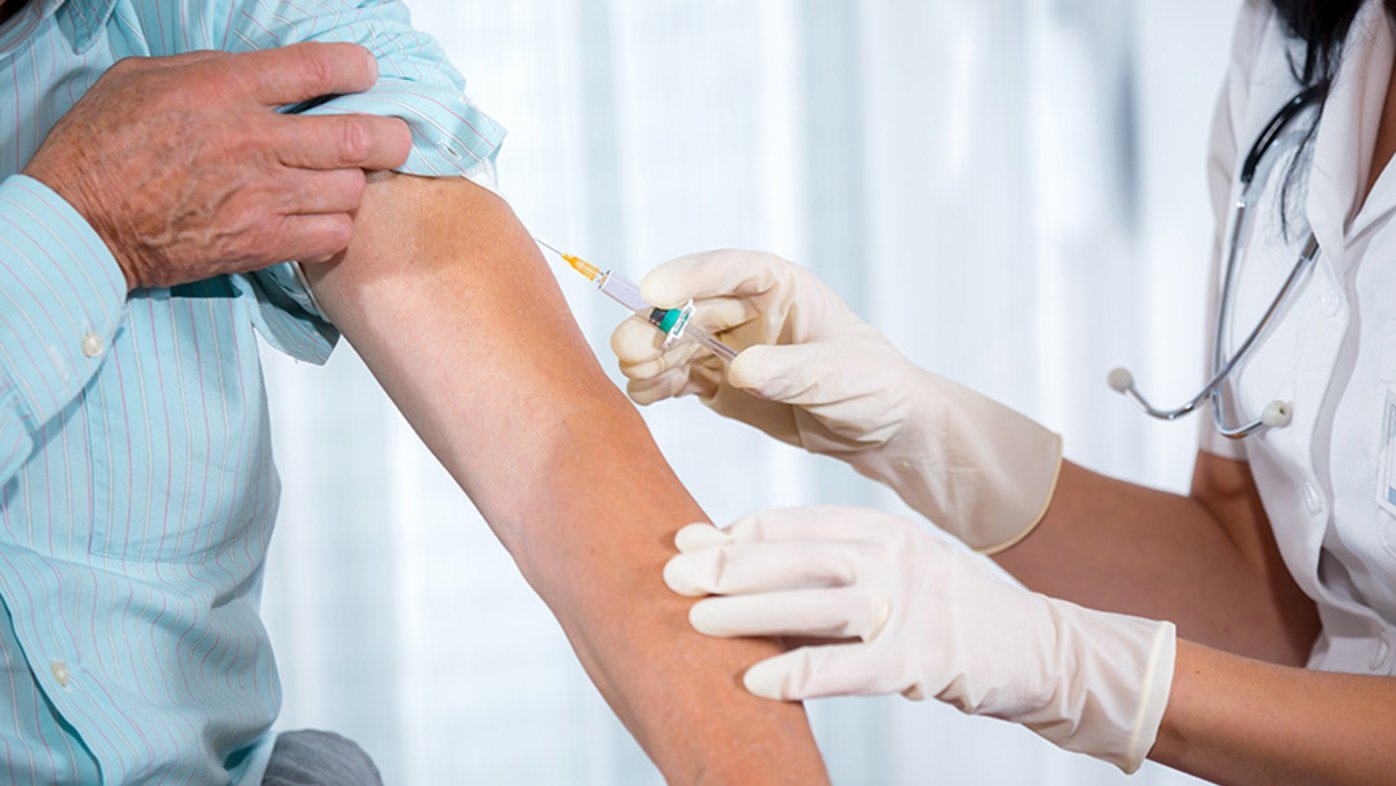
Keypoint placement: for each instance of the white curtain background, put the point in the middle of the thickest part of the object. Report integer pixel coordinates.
(1012, 189)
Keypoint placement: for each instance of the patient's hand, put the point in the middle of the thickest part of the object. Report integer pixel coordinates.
(186, 171)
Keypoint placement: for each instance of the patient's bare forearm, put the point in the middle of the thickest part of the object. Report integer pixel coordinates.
(449, 303)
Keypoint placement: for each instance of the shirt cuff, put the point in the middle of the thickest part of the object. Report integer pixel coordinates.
(62, 298)
(285, 314)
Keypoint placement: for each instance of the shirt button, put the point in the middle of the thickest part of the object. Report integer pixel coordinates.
(1330, 302)
(1379, 654)
(1312, 500)
(60, 673)
(92, 345)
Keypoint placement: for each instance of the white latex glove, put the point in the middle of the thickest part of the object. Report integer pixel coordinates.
(929, 620)
(811, 373)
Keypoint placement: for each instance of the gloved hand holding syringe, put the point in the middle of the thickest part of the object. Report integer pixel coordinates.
(673, 322)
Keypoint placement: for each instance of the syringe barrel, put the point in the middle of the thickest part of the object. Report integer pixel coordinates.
(627, 294)
(623, 292)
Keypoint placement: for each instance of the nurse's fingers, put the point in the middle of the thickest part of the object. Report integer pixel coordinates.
(678, 357)
(837, 523)
(807, 374)
(715, 274)
(763, 567)
(636, 341)
(843, 612)
(853, 669)
(639, 350)
(701, 535)
(720, 314)
(671, 384)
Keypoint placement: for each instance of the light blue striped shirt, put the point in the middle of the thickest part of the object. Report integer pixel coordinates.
(138, 489)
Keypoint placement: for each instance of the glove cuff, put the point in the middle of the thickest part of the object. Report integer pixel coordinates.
(1153, 699)
(977, 469)
(1112, 686)
(1015, 539)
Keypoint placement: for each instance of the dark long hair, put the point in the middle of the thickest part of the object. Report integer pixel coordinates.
(1322, 26)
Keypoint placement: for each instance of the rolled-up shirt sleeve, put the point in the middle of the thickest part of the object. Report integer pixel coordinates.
(416, 82)
(451, 137)
(62, 298)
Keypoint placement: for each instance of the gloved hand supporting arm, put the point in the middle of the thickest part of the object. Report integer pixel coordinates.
(924, 619)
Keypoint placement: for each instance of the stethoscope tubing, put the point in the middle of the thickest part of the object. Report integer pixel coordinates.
(1277, 413)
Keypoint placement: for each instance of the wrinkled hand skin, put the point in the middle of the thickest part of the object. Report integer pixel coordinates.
(185, 169)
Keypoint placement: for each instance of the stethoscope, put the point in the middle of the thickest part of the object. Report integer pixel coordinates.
(1276, 414)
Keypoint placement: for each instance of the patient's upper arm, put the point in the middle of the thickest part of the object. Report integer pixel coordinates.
(448, 300)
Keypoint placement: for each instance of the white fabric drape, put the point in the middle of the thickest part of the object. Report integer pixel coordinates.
(1012, 189)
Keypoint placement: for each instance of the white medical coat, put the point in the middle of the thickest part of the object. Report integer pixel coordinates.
(1327, 480)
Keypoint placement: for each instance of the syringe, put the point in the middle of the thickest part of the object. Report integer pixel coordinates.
(674, 322)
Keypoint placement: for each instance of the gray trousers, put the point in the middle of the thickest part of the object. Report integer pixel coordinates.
(319, 758)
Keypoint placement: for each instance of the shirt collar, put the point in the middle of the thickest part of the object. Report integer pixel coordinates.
(82, 20)
(1342, 157)
(17, 29)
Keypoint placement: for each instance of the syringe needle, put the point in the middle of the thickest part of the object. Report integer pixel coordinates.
(550, 248)
(578, 264)
(671, 321)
